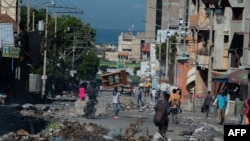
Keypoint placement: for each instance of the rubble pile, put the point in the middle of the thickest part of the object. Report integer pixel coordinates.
(45, 123)
(64, 130)
(90, 109)
(198, 131)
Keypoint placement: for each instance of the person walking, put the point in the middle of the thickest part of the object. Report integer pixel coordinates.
(174, 101)
(133, 92)
(162, 109)
(221, 100)
(100, 89)
(178, 90)
(116, 102)
(206, 104)
(157, 95)
(239, 109)
(82, 93)
(139, 97)
(153, 93)
(247, 111)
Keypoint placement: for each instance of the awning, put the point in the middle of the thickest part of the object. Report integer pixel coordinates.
(221, 78)
(239, 76)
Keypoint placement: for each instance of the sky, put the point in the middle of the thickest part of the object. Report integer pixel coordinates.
(108, 14)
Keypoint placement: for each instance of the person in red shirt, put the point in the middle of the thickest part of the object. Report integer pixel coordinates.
(82, 94)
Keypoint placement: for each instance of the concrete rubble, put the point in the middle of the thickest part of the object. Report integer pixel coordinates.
(58, 122)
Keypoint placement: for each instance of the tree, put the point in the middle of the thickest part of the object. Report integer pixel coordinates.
(89, 66)
(171, 46)
(71, 32)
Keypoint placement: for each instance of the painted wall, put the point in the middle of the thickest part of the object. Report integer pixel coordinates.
(182, 70)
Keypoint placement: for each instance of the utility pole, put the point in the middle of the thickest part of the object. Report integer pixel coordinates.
(209, 76)
(167, 44)
(44, 77)
(18, 15)
(33, 13)
(73, 49)
(55, 31)
(160, 51)
(28, 15)
(179, 48)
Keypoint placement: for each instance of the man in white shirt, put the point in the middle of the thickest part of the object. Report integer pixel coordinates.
(100, 89)
(116, 102)
(153, 94)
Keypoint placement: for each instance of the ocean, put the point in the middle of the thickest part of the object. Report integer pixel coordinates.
(109, 36)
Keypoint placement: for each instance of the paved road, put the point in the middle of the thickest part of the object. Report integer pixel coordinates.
(189, 121)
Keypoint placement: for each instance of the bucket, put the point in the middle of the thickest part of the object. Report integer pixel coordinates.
(35, 83)
(212, 109)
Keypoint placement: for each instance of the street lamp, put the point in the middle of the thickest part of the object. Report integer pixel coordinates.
(33, 13)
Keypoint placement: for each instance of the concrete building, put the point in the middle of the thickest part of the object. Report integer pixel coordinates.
(130, 46)
(219, 47)
(9, 8)
(162, 14)
(111, 56)
(163, 19)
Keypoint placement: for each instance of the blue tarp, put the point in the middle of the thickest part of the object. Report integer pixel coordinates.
(221, 78)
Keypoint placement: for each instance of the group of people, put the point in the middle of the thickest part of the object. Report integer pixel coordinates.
(242, 108)
(171, 103)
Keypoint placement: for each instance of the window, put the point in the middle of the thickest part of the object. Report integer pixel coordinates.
(237, 14)
(226, 38)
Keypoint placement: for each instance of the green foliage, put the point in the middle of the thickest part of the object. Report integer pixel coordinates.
(52, 125)
(136, 69)
(162, 48)
(171, 46)
(89, 66)
(70, 32)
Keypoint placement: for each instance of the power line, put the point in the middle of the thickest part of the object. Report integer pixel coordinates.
(75, 12)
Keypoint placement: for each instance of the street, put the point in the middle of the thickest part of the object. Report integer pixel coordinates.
(191, 126)
(189, 121)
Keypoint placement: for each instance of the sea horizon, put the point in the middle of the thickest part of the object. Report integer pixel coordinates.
(110, 36)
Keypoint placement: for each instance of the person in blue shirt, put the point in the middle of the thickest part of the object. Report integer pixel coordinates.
(221, 105)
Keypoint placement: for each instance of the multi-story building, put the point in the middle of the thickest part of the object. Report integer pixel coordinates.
(161, 14)
(165, 18)
(219, 47)
(129, 46)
